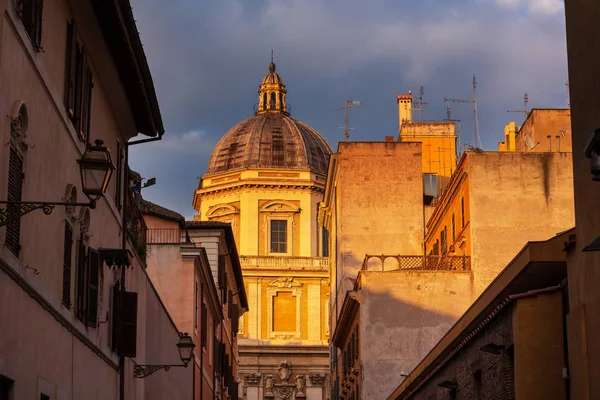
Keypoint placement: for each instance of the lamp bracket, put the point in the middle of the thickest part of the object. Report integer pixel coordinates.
(16, 209)
(142, 371)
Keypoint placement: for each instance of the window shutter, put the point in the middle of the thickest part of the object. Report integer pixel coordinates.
(119, 175)
(124, 322)
(92, 288)
(15, 189)
(70, 70)
(78, 88)
(204, 324)
(222, 276)
(86, 102)
(68, 249)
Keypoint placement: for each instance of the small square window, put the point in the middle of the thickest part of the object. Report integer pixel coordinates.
(278, 236)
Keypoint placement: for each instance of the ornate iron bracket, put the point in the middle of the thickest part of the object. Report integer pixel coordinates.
(142, 371)
(16, 209)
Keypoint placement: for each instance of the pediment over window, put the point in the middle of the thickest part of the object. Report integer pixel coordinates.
(221, 210)
(280, 206)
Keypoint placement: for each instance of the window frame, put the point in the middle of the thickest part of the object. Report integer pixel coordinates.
(30, 13)
(280, 228)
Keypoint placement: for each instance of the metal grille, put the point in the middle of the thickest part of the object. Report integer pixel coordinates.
(164, 236)
(68, 248)
(390, 262)
(15, 188)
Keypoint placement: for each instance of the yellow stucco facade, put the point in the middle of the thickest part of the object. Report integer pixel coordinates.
(266, 177)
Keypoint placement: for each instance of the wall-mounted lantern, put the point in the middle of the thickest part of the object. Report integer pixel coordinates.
(186, 353)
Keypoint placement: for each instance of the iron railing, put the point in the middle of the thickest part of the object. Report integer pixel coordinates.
(394, 262)
(268, 262)
(134, 221)
(166, 236)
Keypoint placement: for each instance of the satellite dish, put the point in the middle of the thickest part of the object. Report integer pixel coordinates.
(529, 142)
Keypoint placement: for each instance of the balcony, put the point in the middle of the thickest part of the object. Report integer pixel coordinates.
(393, 262)
(268, 262)
(166, 236)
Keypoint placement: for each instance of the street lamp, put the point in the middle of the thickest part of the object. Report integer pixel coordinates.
(186, 352)
(96, 170)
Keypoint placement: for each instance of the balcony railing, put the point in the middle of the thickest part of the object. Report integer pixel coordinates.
(393, 262)
(166, 236)
(134, 221)
(268, 262)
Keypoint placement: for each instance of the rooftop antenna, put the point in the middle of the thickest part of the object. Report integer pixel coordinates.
(524, 110)
(349, 104)
(568, 94)
(420, 104)
(457, 120)
(476, 137)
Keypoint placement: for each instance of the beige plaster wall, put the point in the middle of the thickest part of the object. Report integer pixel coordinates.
(379, 207)
(403, 315)
(515, 198)
(541, 123)
(539, 351)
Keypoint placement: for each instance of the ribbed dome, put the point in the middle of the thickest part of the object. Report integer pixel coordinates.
(270, 140)
(272, 77)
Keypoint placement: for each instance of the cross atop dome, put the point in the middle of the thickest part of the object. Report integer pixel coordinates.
(272, 93)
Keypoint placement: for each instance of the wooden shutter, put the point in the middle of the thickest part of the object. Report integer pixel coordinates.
(15, 189)
(93, 287)
(86, 101)
(124, 322)
(81, 300)
(68, 250)
(204, 324)
(78, 88)
(71, 67)
(119, 175)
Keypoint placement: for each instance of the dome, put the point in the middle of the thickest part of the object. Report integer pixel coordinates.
(270, 140)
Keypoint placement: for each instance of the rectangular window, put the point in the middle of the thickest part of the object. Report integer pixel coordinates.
(15, 189)
(324, 243)
(278, 236)
(278, 151)
(196, 308)
(453, 228)
(119, 175)
(44, 396)
(284, 312)
(30, 13)
(203, 327)
(462, 212)
(80, 300)
(6, 388)
(68, 250)
(88, 284)
(78, 85)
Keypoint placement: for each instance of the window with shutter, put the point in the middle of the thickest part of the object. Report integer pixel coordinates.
(93, 288)
(15, 189)
(203, 327)
(78, 85)
(81, 301)
(68, 250)
(124, 323)
(30, 13)
(119, 175)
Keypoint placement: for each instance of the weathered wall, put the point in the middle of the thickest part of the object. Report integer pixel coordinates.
(403, 315)
(385, 177)
(438, 144)
(583, 46)
(539, 124)
(515, 198)
(539, 351)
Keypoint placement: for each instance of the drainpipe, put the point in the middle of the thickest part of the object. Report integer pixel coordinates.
(565, 310)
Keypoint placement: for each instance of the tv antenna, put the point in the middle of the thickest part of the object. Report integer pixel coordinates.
(420, 104)
(476, 137)
(530, 144)
(457, 121)
(568, 94)
(524, 110)
(349, 104)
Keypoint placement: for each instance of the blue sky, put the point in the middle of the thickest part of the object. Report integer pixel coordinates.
(208, 57)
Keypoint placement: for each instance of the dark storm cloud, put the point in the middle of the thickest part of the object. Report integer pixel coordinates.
(207, 59)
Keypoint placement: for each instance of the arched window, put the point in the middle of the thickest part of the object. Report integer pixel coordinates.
(273, 101)
(264, 101)
(281, 101)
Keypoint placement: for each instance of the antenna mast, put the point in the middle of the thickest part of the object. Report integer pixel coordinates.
(524, 110)
(349, 104)
(568, 94)
(457, 120)
(476, 137)
(420, 103)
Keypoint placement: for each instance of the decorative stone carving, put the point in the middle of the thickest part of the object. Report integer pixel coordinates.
(300, 384)
(284, 393)
(269, 383)
(285, 370)
(285, 282)
(253, 379)
(283, 337)
(316, 379)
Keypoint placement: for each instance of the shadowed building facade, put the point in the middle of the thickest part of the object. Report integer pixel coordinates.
(266, 177)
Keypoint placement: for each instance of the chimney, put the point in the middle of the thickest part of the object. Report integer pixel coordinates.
(404, 109)
(389, 139)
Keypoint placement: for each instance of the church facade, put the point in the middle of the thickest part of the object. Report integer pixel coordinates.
(266, 177)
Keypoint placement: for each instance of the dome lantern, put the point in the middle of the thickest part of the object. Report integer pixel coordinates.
(272, 93)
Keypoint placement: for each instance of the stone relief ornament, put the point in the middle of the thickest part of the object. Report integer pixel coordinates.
(285, 370)
(284, 393)
(253, 379)
(285, 282)
(300, 384)
(269, 383)
(316, 379)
